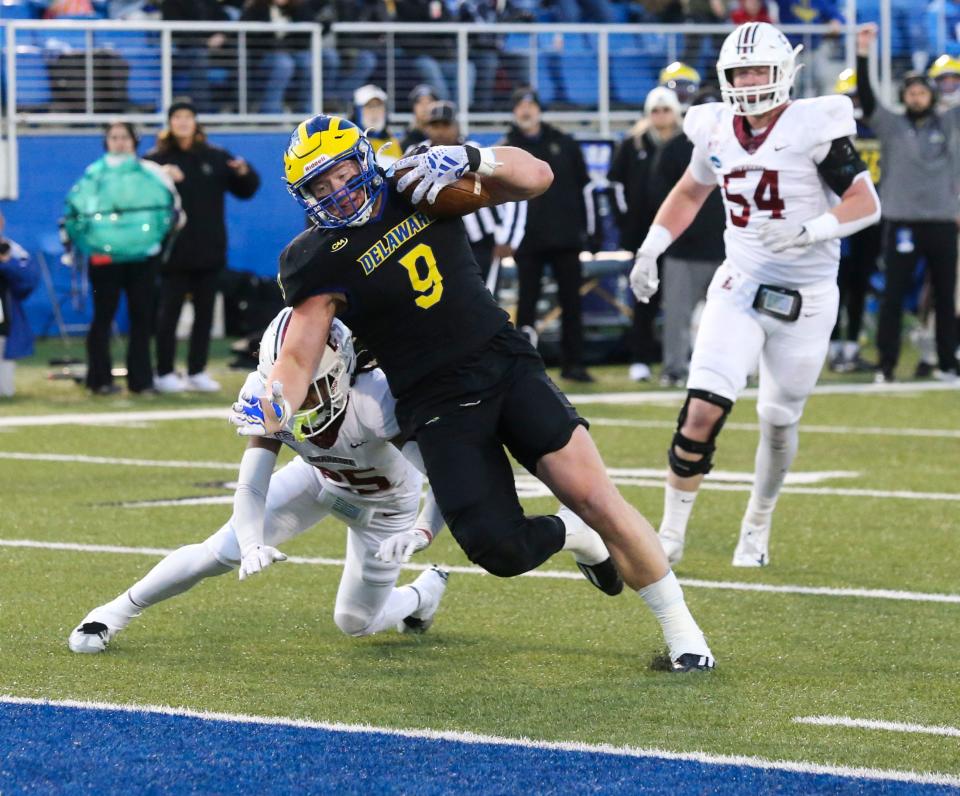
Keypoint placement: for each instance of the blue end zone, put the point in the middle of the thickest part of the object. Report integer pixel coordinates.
(49, 749)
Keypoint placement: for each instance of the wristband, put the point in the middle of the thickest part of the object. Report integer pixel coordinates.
(481, 161)
(657, 240)
(822, 227)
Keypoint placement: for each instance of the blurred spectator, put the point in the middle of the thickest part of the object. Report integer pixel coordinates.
(281, 61)
(691, 260)
(133, 9)
(750, 11)
(633, 166)
(17, 281)
(421, 98)
(945, 72)
(598, 11)
(556, 228)
(682, 80)
(920, 152)
(120, 216)
(199, 54)
(700, 49)
(70, 9)
(434, 56)
(487, 52)
(812, 12)
(203, 174)
(858, 253)
(370, 114)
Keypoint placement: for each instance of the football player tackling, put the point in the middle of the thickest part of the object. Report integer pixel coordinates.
(348, 468)
(781, 165)
(467, 383)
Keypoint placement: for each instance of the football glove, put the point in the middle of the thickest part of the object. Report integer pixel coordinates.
(257, 558)
(257, 415)
(399, 547)
(778, 236)
(439, 166)
(644, 278)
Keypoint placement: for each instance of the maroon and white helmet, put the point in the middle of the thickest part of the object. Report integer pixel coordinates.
(757, 44)
(331, 382)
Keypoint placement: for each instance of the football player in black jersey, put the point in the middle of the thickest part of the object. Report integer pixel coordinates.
(467, 383)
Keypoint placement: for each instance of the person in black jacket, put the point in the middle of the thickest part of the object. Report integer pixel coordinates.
(556, 228)
(632, 167)
(691, 260)
(203, 173)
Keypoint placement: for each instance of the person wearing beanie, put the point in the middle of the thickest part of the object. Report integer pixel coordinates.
(632, 167)
(203, 174)
(556, 229)
(421, 98)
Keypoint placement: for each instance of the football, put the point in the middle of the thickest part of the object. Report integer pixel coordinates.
(457, 199)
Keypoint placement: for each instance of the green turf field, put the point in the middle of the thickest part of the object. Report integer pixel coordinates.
(544, 658)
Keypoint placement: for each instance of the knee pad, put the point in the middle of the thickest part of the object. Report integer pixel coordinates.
(780, 414)
(686, 468)
(352, 624)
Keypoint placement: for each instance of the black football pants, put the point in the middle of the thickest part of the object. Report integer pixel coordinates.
(853, 280)
(903, 244)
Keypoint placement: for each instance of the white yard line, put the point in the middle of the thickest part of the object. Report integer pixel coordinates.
(864, 431)
(797, 766)
(819, 591)
(872, 724)
(126, 462)
(110, 418)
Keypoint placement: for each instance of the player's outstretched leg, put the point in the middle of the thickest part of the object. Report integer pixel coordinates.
(175, 574)
(591, 554)
(577, 476)
(775, 453)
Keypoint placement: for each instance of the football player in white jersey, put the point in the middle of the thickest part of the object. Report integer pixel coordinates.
(348, 468)
(792, 185)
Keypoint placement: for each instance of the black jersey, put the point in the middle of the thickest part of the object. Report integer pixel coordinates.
(413, 290)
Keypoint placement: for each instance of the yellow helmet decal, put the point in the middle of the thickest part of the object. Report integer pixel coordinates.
(679, 71)
(846, 82)
(944, 65)
(318, 141)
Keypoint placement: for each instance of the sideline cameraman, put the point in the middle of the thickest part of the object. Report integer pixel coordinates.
(17, 281)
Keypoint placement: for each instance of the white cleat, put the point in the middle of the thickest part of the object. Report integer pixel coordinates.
(672, 543)
(92, 636)
(752, 548)
(201, 382)
(430, 586)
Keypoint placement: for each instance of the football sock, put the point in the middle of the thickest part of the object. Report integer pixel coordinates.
(775, 453)
(179, 571)
(680, 630)
(677, 506)
(581, 540)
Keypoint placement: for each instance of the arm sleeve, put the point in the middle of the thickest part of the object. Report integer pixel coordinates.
(868, 100)
(841, 165)
(250, 499)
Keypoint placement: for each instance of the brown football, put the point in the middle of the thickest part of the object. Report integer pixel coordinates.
(457, 199)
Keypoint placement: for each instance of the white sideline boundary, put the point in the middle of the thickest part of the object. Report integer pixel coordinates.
(795, 766)
(874, 724)
(866, 431)
(549, 574)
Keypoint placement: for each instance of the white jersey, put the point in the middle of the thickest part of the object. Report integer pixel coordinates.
(363, 467)
(771, 176)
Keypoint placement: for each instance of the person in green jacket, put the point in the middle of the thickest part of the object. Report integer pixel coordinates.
(120, 216)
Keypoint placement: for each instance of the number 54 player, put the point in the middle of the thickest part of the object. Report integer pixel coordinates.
(792, 185)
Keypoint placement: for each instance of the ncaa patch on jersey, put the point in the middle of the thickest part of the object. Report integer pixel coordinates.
(716, 162)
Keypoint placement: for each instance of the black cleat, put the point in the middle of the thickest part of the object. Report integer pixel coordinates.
(604, 576)
(691, 662)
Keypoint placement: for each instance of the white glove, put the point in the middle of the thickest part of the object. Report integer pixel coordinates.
(436, 168)
(257, 415)
(644, 279)
(399, 547)
(257, 558)
(778, 236)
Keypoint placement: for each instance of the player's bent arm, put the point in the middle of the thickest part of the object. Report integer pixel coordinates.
(302, 350)
(859, 206)
(519, 175)
(249, 501)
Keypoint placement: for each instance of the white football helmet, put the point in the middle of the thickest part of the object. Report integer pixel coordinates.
(757, 44)
(330, 388)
